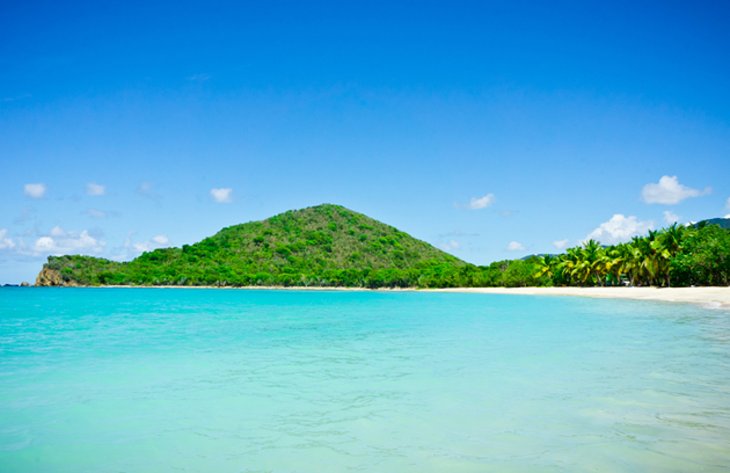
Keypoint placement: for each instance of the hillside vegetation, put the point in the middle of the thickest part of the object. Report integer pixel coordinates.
(326, 245)
(329, 245)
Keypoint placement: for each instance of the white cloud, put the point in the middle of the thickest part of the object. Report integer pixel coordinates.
(669, 191)
(670, 217)
(59, 242)
(43, 244)
(95, 189)
(451, 245)
(620, 228)
(515, 246)
(6, 243)
(560, 244)
(485, 201)
(124, 252)
(222, 195)
(57, 231)
(142, 246)
(35, 191)
(727, 216)
(157, 241)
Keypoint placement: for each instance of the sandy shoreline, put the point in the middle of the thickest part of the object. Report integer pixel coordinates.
(715, 297)
(712, 297)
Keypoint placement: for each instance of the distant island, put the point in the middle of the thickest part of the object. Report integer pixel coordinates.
(331, 246)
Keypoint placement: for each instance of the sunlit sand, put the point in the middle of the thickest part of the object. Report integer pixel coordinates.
(707, 296)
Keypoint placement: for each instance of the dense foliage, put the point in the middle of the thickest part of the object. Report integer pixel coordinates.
(329, 245)
(326, 245)
(675, 256)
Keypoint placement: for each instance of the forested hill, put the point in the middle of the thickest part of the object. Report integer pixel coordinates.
(329, 245)
(721, 222)
(321, 246)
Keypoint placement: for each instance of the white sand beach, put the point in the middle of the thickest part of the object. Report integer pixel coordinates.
(717, 297)
(713, 297)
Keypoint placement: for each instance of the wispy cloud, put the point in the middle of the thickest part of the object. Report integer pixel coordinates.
(200, 77)
(157, 241)
(670, 217)
(561, 244)
(451, 245)
(458, 234)
(35, 190)
(95, 189)
(669, 191)
(27, 214)
(99, 214)
(6, 243)
(477, 203)
(515, 246)
(96, 213)
(147, 189)
(222, 195)
(15, 98)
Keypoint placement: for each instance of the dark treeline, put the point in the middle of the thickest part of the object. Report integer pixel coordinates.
(674, 256)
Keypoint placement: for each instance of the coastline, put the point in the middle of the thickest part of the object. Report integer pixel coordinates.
(707, 296)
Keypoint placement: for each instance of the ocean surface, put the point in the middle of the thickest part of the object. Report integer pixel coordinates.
(203, 380)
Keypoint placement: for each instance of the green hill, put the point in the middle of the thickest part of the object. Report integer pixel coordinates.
(721, 222)
(329, 245)
(326, 245)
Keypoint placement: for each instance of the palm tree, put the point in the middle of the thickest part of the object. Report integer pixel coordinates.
(642, 268)
(592, 267)
(546, 267)
(669, 244)
(569, 265)
(644, 260)
(673, 236)
(613, 264)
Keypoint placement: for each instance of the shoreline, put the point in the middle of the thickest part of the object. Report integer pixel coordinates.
(713, 297)
(706, 296)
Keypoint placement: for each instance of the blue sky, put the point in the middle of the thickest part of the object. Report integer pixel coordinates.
(492, 130)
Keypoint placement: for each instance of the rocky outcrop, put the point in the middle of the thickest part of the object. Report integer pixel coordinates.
(51, 277)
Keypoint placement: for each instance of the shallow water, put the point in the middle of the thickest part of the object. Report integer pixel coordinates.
(157, 380)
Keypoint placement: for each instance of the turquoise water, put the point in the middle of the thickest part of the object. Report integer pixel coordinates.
(158, 380)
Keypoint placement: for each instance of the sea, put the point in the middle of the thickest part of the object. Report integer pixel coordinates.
(208, 380)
